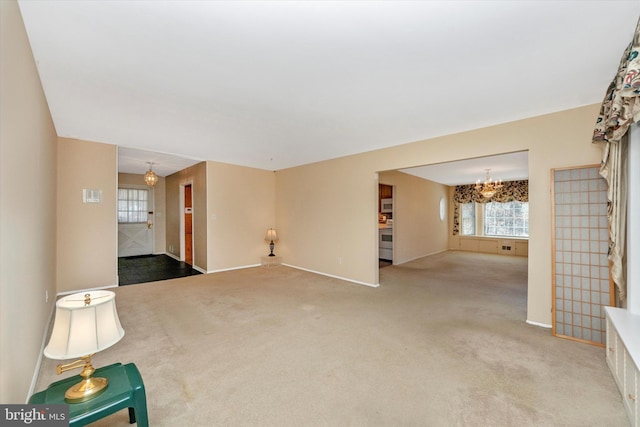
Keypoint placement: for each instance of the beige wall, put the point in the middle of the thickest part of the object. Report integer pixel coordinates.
(327, 217)
(159, 206)
(87, 232)
(241, 207)
(196, 176)
(27, 209)
(327, 210)
(418, 230)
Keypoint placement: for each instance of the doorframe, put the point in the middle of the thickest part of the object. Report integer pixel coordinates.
(182, 225)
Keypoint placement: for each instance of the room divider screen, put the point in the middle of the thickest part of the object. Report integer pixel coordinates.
(580, 268)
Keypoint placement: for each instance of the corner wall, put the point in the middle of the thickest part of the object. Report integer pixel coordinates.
(27, 209)
(241, 207)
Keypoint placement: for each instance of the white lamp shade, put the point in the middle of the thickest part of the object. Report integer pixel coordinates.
(80, 330)
(271, 235)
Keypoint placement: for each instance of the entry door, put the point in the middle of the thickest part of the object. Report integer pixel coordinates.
(135, 221)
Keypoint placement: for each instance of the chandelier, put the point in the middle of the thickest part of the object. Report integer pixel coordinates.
(489, 188)
(150, 177)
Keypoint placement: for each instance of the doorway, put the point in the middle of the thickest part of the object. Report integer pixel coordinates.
(425, 219)
(385, 225)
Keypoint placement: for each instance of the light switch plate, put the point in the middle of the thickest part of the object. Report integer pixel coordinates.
(91, 196)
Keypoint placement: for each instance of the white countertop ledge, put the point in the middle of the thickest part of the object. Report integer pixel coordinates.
(628, 326)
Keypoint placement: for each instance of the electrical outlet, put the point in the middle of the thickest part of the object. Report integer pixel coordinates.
(339, 260)
(46, 295)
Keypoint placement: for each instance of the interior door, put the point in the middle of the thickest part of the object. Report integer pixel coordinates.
(135, 221)
(188, 225)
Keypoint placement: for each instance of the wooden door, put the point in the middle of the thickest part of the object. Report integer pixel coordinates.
(188, 225)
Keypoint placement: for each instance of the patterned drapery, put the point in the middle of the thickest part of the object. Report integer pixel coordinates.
(510, 191)
(614, 170)
(620, 108)
(621, 104)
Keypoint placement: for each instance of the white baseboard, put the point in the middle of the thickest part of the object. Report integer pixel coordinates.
(421, 256)
(292, 266)
(201, 270)
(170, 255)
(542, 325)
(220, 270)
(371, 285)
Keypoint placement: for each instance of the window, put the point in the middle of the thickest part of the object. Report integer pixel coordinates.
(132, 205)
(468, 226)
(506, 219)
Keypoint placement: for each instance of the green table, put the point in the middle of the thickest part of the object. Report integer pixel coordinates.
(125, 390)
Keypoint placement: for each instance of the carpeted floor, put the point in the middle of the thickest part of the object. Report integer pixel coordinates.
(442, 342)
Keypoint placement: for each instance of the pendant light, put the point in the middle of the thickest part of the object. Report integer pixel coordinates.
(150, 177)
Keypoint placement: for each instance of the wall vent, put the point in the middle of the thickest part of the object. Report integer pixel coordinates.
(507, 247)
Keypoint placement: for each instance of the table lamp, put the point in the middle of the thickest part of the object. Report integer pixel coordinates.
(85, 324)
(271, 237)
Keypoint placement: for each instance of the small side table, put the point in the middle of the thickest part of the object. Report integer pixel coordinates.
(271, 261)
(125, 390)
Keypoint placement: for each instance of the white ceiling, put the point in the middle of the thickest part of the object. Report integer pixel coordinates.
(132, 160)
(275, 84)
(507, 167)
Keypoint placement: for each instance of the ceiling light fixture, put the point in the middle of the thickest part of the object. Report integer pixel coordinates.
(150, 177)
(489, 188)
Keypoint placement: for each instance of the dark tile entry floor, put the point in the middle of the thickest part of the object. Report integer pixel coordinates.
(382, 263)
(151, 268)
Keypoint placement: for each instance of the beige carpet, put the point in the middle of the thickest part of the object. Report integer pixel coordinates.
(442, 342)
